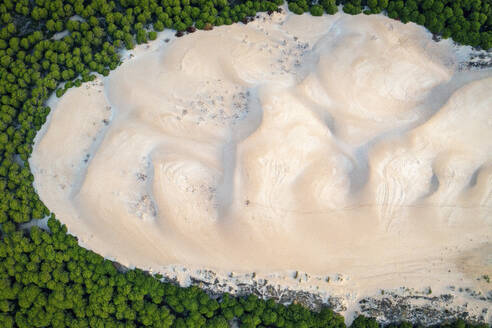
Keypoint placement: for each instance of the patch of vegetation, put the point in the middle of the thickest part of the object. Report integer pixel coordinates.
(46, 46)
(48, 280)
(364, 322)
(467, 22)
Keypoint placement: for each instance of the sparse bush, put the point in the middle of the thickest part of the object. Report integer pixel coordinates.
(467, 22)
(316, 10)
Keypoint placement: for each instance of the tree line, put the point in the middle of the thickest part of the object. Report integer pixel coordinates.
(48, 280)
(467, 22)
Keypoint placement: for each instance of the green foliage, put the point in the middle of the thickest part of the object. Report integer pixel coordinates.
(152, 35)
(467, 22)
(364, 322)
(329, 6)
(316, 10)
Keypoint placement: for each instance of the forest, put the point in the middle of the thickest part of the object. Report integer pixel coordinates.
(49, 46)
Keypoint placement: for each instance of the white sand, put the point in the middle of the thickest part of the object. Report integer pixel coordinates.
(329, 145)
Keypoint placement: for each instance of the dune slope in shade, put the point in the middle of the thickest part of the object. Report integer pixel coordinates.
(338, 144)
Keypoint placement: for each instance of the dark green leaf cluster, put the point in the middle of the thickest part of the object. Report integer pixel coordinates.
(48, 280)
(468, 22)
(49, 46)
(365, 322)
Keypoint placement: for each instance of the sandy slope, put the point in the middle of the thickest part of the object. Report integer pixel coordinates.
(329, 145)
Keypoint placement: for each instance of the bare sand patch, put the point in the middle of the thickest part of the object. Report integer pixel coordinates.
(333, 145)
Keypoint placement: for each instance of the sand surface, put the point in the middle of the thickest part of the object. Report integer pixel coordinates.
(333, 145)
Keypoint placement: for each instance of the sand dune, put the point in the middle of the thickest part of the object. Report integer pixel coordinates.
(338, 144)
